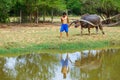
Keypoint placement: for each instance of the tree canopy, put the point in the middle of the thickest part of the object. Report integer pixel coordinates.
(31, 9)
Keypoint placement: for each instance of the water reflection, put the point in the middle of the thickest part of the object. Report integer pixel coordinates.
(86, 65)
(29, 67)
(65, 65)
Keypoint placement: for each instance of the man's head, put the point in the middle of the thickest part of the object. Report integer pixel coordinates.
(64, 71)
(64, 75)
(64, 14)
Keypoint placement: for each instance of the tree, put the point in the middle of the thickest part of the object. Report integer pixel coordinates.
(51, 5)
(108, 8)
(88, 6)
(31, 9)
(5, 6)
(74, 6)
(56, 5)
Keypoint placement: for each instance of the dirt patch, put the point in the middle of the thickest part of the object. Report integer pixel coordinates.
(29, 25)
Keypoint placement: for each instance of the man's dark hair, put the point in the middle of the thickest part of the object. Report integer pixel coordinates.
(64, 76)
(64, 13)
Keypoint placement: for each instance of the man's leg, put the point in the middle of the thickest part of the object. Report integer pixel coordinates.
(61, 30)
(66, 30)
(61, 60)
(66, 60)
(67, 34)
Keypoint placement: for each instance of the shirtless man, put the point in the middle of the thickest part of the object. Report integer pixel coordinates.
(64, 25)
(65, 67)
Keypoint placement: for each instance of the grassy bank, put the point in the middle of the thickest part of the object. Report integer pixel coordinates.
(45, 38)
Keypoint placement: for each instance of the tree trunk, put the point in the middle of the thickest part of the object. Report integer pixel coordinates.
(37, 17)
(66, 11)
(20, 16)
(14, 17)
(108, 18)
(52, 15)
(44, 13)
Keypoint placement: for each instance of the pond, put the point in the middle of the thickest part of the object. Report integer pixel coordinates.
(85, 65)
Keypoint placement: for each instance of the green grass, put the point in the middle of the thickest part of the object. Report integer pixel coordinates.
(58, 48)
(45, 39)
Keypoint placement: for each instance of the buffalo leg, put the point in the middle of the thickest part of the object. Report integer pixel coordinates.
(89, 30)
(81, 30)
(96, 29)
(101, 28)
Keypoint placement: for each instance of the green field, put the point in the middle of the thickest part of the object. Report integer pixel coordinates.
(30, 38)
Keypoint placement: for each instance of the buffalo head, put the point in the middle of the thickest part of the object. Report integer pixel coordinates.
(77, 23)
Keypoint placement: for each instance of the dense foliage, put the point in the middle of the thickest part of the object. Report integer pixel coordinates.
(29, 10)
(5, 7)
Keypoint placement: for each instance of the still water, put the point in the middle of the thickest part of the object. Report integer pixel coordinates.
(85, 65)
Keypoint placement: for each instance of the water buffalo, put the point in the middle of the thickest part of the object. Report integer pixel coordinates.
(89, 21)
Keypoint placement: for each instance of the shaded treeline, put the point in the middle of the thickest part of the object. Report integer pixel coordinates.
(33, 10)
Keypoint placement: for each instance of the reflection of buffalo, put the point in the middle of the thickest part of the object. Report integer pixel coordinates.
(89, 21)
(90, 62)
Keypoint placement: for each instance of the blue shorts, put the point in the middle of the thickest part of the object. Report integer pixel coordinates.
(64, 62)
(64, 27)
